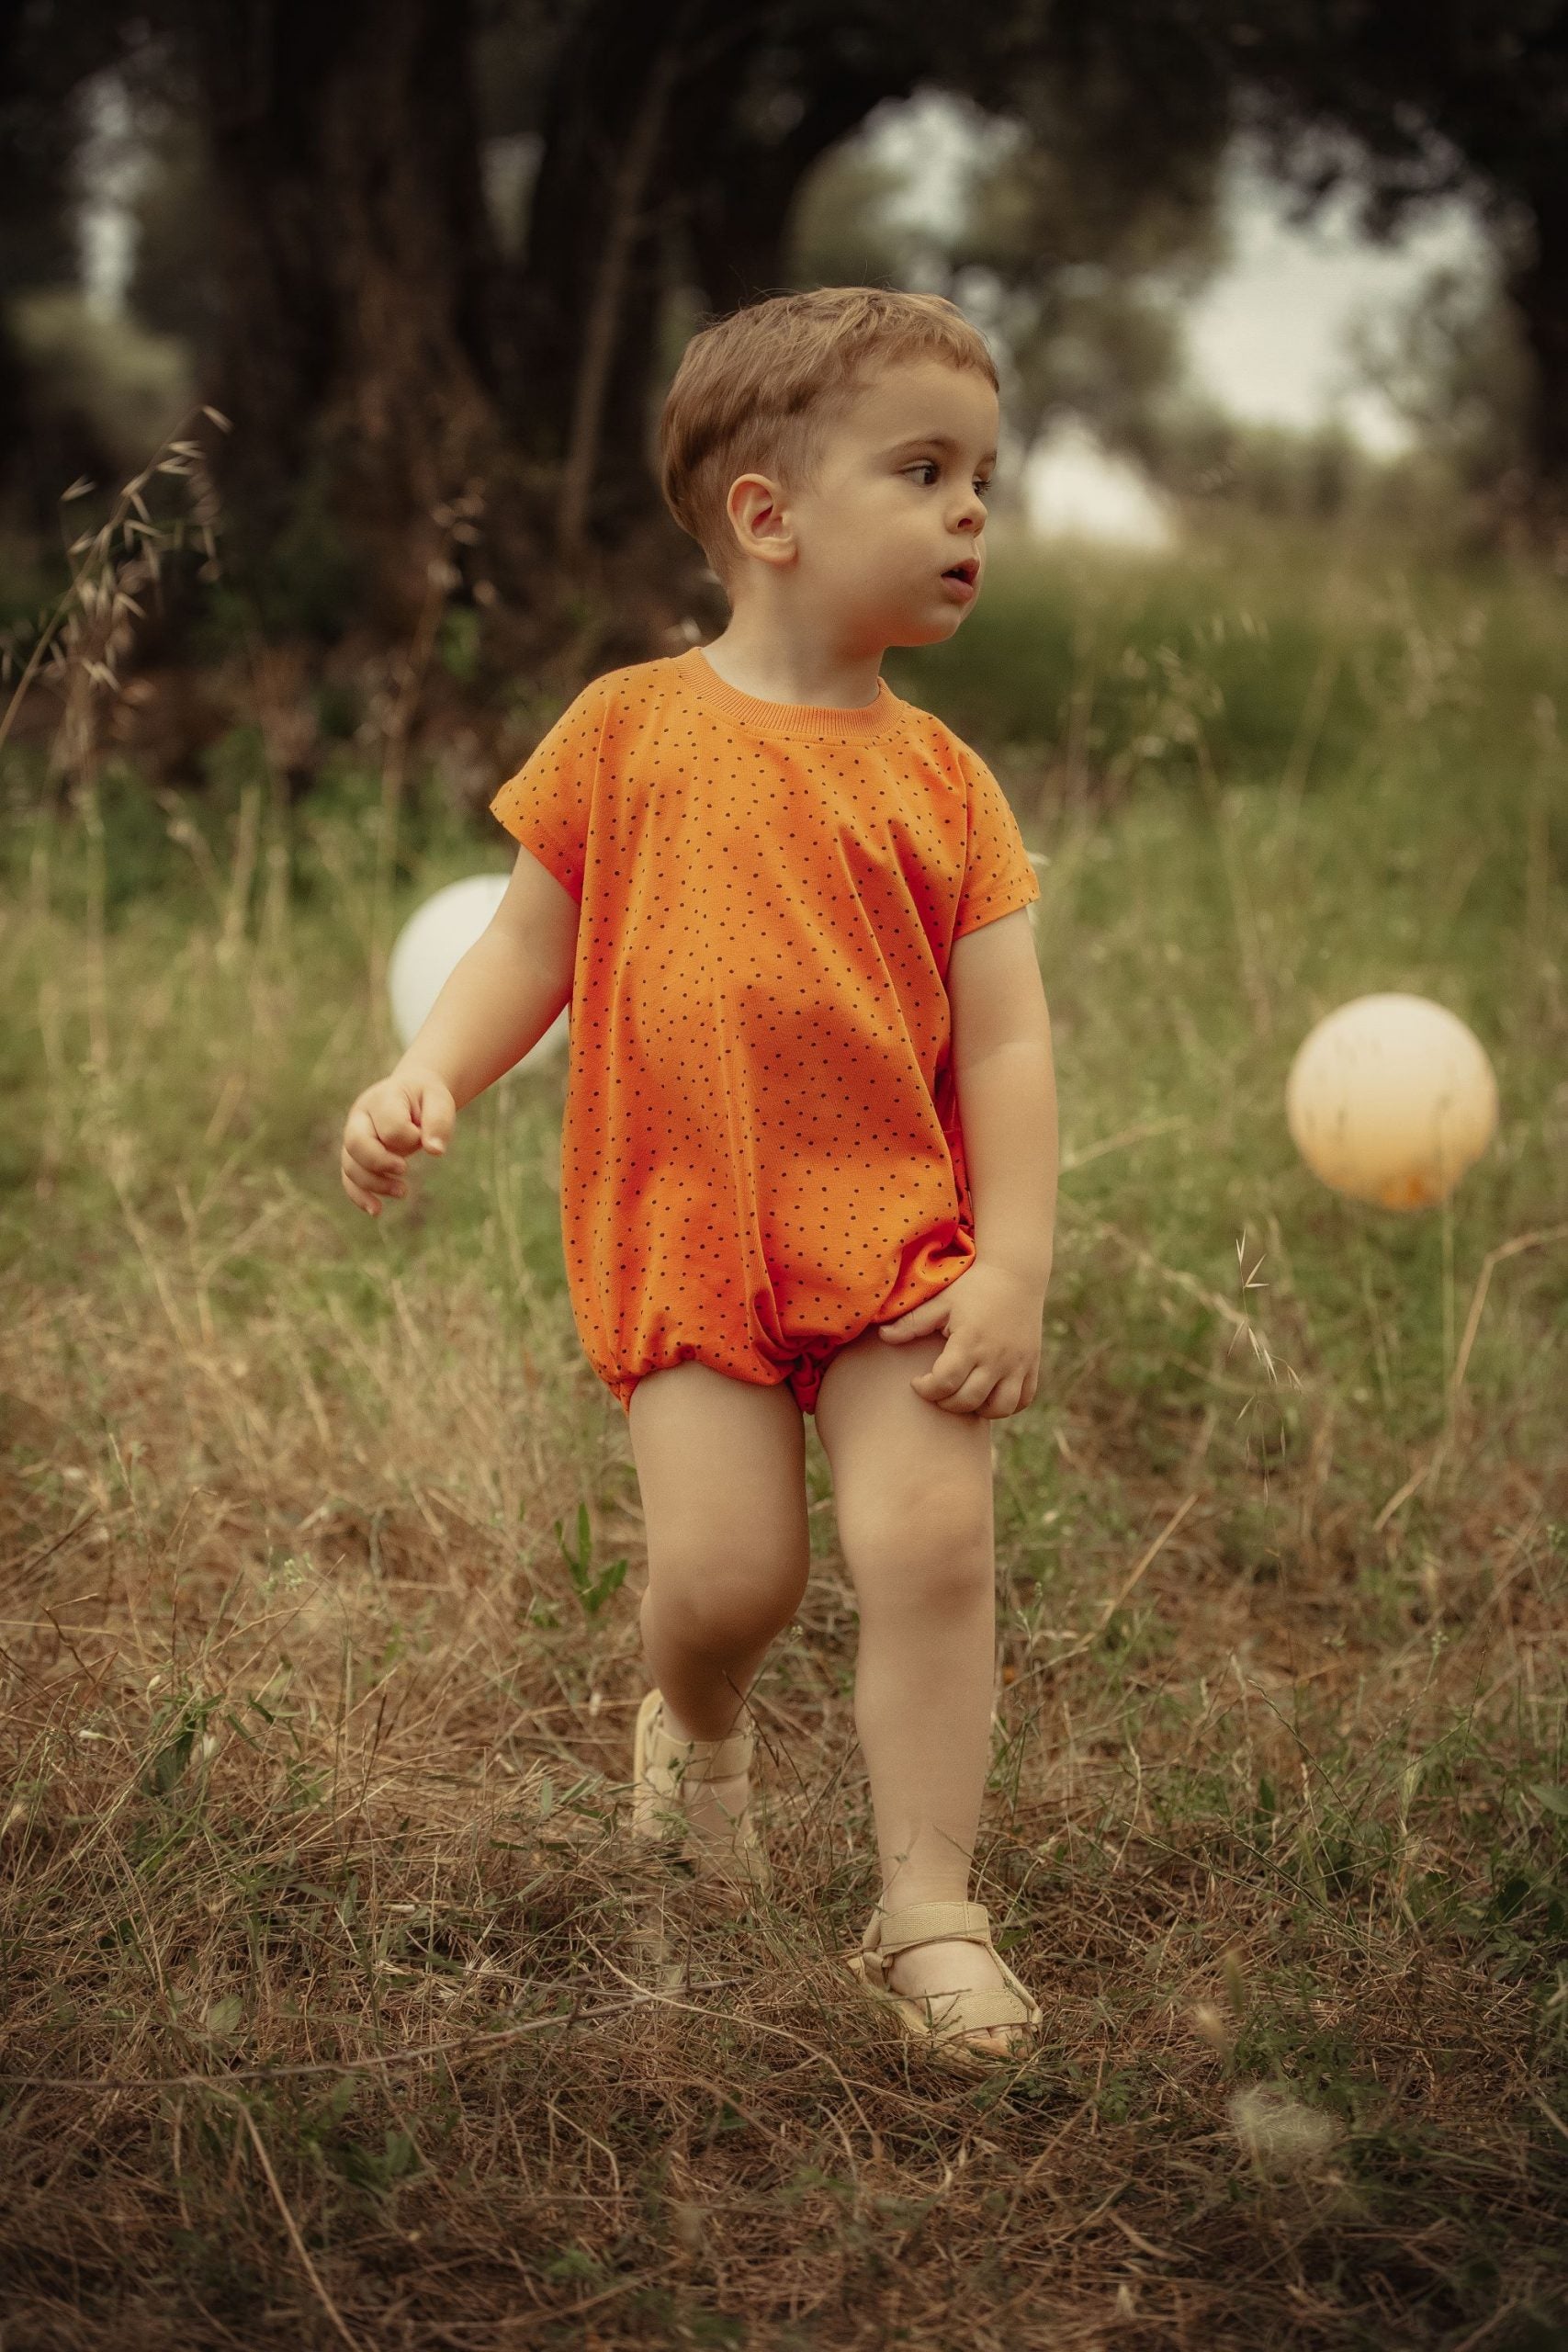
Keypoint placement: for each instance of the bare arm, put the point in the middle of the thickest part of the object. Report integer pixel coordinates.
(1005, 1080)
(1007, 1104)
(1008, 1109)
(496, 1004)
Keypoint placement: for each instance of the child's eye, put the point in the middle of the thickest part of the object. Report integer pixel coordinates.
(930, 466)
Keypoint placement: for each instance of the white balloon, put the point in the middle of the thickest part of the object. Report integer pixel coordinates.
(1390, 1099)
(434, 938)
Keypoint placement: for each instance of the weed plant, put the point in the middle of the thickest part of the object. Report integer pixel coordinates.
(324, 2020)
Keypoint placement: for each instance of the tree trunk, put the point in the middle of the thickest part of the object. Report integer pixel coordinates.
(584, 297)
(354, 354)
(626, 225)
(650, 136)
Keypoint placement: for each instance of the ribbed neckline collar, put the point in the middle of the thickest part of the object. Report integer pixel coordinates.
(759, 717)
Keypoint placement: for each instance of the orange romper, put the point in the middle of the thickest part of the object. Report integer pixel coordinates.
(761, 1153)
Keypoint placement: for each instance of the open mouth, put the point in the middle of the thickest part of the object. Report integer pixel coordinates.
(968, 570)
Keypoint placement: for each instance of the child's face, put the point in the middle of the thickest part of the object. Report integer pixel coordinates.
(896, 502)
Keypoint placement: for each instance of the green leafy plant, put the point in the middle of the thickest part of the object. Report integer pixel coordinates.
(592, 1591)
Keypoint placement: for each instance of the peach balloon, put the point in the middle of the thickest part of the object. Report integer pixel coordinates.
(1390, 1099)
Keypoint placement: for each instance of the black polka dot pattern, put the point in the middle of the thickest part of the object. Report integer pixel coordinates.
(760, 1150)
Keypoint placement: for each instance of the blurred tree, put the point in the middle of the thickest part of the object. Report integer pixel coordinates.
(1088, 211)
(383, 344)
(371, 369)
(377, 347)
(1403, 106)
(676, 139)
(678, 143)
(1078, 293)
(846, 227)
(1077, 244)
(1453, 363)
(353, 345)
(1201, 454)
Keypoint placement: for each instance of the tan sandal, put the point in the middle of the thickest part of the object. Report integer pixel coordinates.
(661, 1766)
(889, 1933)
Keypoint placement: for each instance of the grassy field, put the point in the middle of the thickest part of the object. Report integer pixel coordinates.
(323, 2019)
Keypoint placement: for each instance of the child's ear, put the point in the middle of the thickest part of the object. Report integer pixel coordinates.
(760, 519)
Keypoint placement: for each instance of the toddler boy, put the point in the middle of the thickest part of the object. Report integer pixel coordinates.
(809, 1152)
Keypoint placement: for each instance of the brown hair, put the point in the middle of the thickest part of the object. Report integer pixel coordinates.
(758, 391)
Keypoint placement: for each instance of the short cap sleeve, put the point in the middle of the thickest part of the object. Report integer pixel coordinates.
(998, 875)
(545, 805)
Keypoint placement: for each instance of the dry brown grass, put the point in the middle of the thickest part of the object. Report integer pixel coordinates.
(326, 2015)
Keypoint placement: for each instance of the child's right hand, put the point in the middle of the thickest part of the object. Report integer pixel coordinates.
(389, 1120)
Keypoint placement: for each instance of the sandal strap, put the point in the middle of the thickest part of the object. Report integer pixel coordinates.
(701, 1759)
(927, 1923)
(973, 2011)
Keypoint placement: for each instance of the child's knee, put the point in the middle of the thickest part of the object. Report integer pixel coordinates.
(723, 1608)
(937, 1560)
(954, 1583)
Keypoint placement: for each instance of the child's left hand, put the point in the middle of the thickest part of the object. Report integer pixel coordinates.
(990, 1365)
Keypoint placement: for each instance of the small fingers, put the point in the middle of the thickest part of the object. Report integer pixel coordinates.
(356, 1187)
(958, 1391)
(1010, 1395)
(377, 1153)
(995, 1405)
(360, 1198)
(985, 1396)
(368, 1192)
(386, 1178)
(370, 1173)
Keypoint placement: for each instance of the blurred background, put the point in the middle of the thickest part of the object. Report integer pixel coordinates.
(332, 342)
(434, 264)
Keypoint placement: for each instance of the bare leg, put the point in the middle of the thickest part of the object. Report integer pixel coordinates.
(913, 1485)
(923, 1691)
(721, 1466)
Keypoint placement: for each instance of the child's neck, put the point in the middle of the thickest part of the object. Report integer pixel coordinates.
(775, 667)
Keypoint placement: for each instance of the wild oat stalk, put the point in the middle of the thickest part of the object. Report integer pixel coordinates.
(1263, 1355)
(81, 640)
(76, 652)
